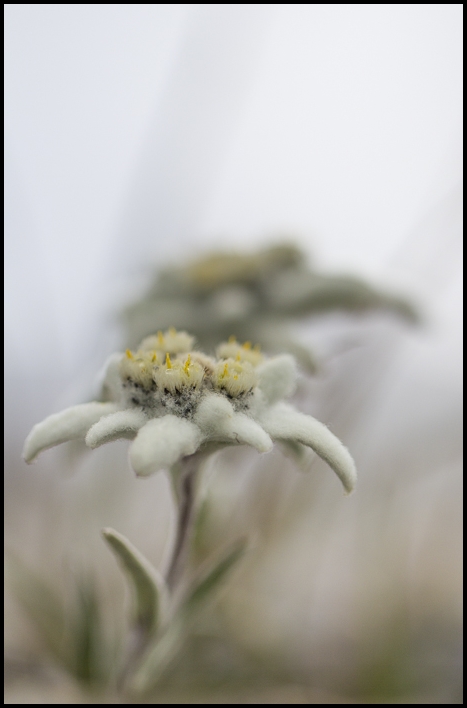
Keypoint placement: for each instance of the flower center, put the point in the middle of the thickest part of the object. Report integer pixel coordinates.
(241, 352)
(162, 377)
(178, 375)
(170, 342)
(234, 377)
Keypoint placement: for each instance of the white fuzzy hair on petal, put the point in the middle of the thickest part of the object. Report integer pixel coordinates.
(243, 430)
(217, 419)
(71, 424)
(162, 442)
(277, 377)
(283, 422)
(122, 424)
(212, 409)
(109, 379)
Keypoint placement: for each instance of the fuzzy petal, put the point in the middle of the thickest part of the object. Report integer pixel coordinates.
(217, 419)
(161, 442)
(122, 424)
(71, 424)
(244, 430)
(283, 422)
(109, 381)
(212, 408)
(277, 377)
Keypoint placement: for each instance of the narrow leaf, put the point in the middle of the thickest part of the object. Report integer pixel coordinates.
(163, 652)
(90, 650)
(213, 577)
(148, 585)
(159, 657)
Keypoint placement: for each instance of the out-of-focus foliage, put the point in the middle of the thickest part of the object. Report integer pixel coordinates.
(254, 296)
(70, 622)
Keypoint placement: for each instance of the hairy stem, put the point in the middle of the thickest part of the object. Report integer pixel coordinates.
(187, 483)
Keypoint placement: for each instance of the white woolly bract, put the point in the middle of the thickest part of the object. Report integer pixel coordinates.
(162, 442)
(122, 424)
(212, 408)
(283, 422)
(243, 430)
(277, 377)
(219, 421)
(170, 342)
(241, 352)
(234, 377)
(71, 424)
(109, 381)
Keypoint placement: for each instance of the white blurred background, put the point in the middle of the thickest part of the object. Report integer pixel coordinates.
(138, 135)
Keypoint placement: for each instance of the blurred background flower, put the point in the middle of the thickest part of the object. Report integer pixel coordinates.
(255, 295)
(141, 137)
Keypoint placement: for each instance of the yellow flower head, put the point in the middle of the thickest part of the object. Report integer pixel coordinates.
(241, 352)
(169, 342)
(234, 377)
(179, 374)
(138, 367)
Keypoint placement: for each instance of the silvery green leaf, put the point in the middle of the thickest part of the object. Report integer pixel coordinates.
(212, 576)
(166, 647)
(148, 585)
(90, 655)
(158, 658)
(200, 527)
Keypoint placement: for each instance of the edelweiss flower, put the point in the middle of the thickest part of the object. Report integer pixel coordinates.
(173, 401)
(255, 294)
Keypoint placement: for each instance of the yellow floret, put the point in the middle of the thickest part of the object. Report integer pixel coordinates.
(235, 377)
(241, 352)
(179, 374)
(137, 367)
(170, 342)
(207, 362)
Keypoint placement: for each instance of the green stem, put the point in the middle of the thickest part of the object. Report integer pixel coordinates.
(186, 480)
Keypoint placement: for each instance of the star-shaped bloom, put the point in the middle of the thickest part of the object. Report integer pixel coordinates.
(173, 401)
